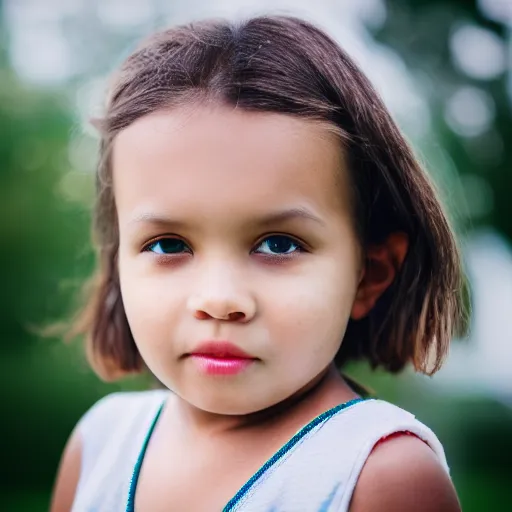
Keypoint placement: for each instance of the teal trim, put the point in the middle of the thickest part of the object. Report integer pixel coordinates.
(285, 449)
(130, 507)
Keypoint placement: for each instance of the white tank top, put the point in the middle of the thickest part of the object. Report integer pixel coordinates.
(317, 470)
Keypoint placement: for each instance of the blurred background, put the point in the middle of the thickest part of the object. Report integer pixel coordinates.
(444, 68)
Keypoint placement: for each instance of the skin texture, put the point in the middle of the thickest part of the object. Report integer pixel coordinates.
(212, 178)
(68, 475)
(403, 474)
(212, 183)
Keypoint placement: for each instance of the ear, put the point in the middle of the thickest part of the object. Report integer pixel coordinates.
(382, 265)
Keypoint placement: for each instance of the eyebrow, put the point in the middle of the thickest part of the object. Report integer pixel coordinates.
(296, 213)
(299, 212)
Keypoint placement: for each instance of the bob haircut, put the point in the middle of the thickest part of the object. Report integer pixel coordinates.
(286, 65)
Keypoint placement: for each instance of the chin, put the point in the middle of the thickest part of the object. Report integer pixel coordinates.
(228, 407)
(229, 404)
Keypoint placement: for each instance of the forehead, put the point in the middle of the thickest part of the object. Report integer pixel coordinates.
(214, 160)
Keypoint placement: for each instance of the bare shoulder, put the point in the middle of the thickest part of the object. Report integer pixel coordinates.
(403, 474)
(67, 475)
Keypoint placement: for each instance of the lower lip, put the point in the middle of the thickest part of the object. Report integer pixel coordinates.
(221, 365)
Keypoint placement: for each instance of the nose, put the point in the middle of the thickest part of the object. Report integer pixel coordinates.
(220, 298)
(218, 308)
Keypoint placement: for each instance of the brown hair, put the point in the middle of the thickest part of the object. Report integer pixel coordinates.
(286, 65)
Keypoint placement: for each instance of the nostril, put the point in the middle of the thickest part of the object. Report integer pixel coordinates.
(202, 315)
(233, 317)
(237, 315)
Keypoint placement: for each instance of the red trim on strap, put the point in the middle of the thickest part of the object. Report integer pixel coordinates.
(398, 434)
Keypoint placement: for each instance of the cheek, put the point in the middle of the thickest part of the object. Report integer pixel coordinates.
(312, 312)
(151, 304)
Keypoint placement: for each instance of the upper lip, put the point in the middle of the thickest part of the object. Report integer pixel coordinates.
(220, 349)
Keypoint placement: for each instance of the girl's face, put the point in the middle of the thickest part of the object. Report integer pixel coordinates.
(234, 227)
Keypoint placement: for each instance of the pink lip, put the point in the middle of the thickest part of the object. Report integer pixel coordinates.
(221, 358)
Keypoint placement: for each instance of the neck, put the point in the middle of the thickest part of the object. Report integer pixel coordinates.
(327, 390)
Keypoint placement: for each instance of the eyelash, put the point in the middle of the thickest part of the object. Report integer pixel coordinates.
(300, 247)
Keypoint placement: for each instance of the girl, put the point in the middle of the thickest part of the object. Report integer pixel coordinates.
(261, 221)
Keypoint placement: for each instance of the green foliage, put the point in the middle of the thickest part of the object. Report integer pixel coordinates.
(420, 32)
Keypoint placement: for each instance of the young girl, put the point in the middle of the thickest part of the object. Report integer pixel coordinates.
(260, 222)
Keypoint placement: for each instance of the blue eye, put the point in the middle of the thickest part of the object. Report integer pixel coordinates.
(278, 244)
(168, 246)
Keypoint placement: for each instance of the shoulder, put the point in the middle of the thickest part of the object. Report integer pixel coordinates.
(68, 475)
(113, 419)
(93, 431)
(376, 419)
(122, 403)
(117, 409)
(401, 474)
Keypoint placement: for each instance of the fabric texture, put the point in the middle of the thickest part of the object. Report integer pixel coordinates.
(317, 474)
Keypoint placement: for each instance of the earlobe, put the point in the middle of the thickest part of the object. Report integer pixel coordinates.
(383, 262)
